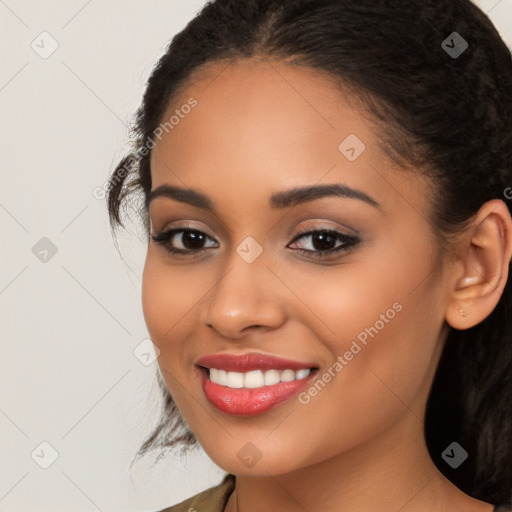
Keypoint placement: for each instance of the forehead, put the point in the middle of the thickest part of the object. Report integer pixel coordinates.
(261, 126)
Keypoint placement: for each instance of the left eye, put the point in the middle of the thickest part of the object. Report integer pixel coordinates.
(192, 240)
(322, 240)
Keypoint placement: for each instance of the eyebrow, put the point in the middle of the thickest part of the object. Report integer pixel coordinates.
(285, 199)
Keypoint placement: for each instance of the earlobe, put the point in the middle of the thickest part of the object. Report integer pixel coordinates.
(463, 314)
(486, 252)
(467, 281)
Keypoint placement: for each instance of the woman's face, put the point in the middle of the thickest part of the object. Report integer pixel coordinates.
(370, 319)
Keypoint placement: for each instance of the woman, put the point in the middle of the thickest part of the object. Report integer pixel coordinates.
(326, 190)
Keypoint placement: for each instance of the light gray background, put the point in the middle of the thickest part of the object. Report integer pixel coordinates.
(70, 325)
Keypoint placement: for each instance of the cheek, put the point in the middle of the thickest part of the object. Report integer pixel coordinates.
(385, 329)
(167, 298)
(340, 303)
(383, 302)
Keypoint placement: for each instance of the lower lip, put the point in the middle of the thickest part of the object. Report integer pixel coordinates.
(251, 401)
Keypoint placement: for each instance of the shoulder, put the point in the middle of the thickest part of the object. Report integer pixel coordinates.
(213, 499)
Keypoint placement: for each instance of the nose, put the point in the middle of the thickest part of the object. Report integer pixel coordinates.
(246, 296)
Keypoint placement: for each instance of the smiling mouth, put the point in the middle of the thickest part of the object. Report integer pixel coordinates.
(254, 392)
(250, 383)
(255, 378)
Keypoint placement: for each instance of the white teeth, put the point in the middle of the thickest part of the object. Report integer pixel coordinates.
(287, 376)
(235, 380)
(222, 377)
(255, 378)
(271, 377)
(219, 376)
(302, 373)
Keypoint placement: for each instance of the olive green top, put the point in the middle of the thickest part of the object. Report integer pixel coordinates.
(215, 499)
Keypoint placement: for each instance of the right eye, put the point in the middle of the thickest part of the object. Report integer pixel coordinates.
(190, 239)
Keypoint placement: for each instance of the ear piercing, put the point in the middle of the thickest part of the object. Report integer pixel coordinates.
(467, 282)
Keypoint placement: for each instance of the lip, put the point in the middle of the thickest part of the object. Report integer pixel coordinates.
(250, 361)
(251, 401)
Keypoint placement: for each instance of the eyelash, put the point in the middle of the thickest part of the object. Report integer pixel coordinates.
(163, 238)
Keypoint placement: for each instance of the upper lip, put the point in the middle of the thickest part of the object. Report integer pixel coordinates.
(250, 361)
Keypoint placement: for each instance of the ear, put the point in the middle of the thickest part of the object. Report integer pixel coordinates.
(481, 272)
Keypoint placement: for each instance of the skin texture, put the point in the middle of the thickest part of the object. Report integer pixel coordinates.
(261, 127)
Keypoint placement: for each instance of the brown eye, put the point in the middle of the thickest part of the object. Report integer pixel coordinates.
(323, 242)
(184, 241)
(191, 240)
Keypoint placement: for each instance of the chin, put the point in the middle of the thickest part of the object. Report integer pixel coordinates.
(245, 458)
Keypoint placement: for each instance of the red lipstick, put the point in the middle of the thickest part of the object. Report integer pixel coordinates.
(250, 361)
(250, 401)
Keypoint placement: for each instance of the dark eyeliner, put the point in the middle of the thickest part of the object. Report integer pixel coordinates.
(163, 237)
(349, 241)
